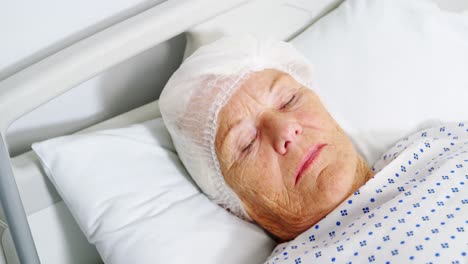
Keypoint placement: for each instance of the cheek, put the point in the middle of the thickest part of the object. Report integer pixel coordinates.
(258, 175)
(338, 181)
(314, 117)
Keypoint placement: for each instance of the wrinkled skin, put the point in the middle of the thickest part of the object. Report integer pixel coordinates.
(265, 131)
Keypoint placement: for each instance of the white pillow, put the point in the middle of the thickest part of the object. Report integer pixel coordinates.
(387, 68)
(133, 199)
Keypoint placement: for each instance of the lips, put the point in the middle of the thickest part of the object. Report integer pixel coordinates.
(308, 160)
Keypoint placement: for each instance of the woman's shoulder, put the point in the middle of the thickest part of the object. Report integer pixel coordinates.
(426, 139)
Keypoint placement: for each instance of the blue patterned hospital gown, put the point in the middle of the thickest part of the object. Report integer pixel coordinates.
(414, 210)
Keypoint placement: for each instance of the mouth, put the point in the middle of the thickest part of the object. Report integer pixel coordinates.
(308, 160)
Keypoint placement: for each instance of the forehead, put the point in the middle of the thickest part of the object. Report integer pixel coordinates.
(250, 91)
(259, 81)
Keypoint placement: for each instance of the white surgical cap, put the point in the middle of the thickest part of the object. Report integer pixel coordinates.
(196, 92)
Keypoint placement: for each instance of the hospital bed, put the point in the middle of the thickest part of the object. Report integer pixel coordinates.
(35, 224)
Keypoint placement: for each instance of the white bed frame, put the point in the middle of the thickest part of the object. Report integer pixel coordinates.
(39, 83)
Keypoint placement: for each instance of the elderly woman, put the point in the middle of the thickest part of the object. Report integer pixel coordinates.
(257, 140)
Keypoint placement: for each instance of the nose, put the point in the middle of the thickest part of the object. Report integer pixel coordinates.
(283, 130)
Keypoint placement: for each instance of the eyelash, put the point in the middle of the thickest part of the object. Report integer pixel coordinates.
(289, 102)
(250, 144)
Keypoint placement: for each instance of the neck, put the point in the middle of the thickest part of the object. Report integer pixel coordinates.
(363, 173)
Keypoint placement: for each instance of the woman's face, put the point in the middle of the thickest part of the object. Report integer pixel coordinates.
(284, 155)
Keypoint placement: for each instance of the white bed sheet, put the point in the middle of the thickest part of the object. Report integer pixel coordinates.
(58, 238)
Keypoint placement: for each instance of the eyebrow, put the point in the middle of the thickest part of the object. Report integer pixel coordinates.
(230, 129)
(275, 81)
(223, 146)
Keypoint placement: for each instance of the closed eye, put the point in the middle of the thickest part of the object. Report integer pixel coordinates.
(249, 145)
(288, 103)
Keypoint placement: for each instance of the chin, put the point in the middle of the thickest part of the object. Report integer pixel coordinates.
(339, 186)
